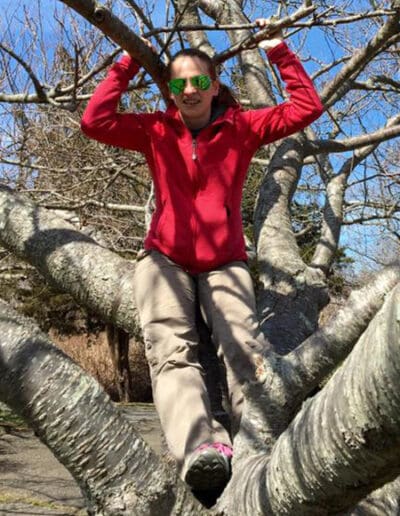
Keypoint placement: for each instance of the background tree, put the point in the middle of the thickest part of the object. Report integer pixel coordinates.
(319, 457)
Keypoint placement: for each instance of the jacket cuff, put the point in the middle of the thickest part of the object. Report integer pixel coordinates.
(281, 50)
(128, 64)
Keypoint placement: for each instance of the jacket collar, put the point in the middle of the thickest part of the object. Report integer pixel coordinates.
(172, 114)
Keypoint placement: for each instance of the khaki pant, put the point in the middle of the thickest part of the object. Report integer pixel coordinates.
(166, 300)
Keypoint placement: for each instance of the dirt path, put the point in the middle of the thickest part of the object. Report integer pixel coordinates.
(33, 482)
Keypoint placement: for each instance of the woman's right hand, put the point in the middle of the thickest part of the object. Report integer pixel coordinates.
(273, 40)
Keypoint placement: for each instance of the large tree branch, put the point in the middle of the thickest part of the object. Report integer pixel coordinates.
(318, 356)
(292, 293)
(344, 442)
(116, 470)
(357, 448)
(101, 17)
(284, 382)
(96, 277)
(197, 39)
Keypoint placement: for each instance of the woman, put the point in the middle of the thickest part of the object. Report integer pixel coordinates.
(198, 152)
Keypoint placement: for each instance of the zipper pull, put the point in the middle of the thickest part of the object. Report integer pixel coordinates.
(194, 149)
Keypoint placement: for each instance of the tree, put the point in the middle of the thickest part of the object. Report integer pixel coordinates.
(319, 456)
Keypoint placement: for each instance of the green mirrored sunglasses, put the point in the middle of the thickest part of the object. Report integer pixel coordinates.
(200, 82)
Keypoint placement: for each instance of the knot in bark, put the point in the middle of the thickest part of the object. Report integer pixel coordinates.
(99, 14)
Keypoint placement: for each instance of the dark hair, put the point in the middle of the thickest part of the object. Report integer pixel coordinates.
(225, 96)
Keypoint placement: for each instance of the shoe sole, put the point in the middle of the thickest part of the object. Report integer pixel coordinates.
(208, 470)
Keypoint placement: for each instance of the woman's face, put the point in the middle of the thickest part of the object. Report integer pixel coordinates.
(193, 103)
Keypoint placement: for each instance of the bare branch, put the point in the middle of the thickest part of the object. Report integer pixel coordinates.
(341, 84)
(114, 28)
(252, 41)
(316, 22)
(327, 146)
(74, 205)
(36, 83)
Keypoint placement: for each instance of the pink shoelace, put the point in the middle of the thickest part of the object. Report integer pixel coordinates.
(225, 449)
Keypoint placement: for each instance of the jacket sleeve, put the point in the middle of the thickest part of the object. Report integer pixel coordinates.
(101, 120)
(303, 107)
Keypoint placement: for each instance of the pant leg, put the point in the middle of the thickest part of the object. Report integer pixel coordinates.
(228, 304)
(166, 300)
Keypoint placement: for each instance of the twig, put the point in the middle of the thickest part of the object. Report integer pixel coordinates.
(252, 40)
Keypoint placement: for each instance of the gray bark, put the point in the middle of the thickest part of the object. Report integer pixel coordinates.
(117, 472)
(197, 39)
(284, 382)
(291, 294)
(343, 443)
(69, 260)
(252, 65)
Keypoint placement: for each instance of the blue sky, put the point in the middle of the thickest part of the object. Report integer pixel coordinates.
(318, 45)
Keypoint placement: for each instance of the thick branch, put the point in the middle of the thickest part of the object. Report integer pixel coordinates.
(292, 293)
(117, 472)
(315, 359)
(343, 443)
(198, 38)
(68, 259)
(115, 29)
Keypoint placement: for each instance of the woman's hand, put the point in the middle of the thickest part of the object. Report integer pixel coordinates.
(273, 40)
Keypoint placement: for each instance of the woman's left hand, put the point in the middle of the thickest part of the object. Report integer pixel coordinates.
(273, 40)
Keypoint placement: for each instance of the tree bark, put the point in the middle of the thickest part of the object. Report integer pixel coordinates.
(69, 260)
(116, 470)
(291, 294)
(29, 366)
(343, 443)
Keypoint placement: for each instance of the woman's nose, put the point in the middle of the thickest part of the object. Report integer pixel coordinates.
(189, 88)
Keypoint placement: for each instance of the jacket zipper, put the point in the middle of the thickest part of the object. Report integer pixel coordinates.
(194, 149)
(195, 189)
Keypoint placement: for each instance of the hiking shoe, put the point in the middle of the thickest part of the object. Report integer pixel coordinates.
(209, 467)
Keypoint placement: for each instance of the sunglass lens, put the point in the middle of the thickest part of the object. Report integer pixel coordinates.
(176, 86)
(202, 82)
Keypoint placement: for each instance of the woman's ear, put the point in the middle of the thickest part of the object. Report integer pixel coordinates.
(215, 86)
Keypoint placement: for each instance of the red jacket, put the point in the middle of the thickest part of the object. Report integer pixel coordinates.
(198, 183)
